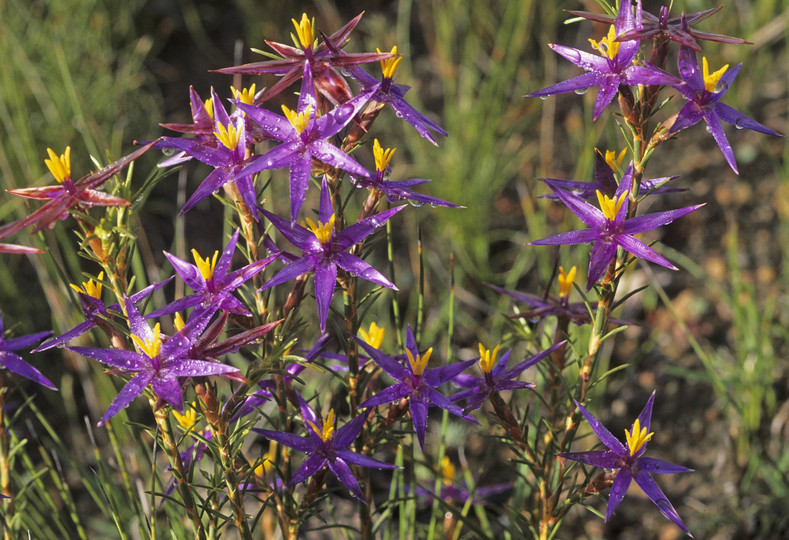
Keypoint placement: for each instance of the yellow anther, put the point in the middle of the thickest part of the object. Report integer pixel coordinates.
(637, 437)
(322, 231)
(229, 136)
(268, 462)
(90, 287)
(178, 322)
(327, 430)
(610, 205)
(188, 418)
(59, 166)
(205, 266)
(389, 65)
(711, 79)
(419, 364)
(447, 471)
(304, 30)
(487, 358)
(613, 160)
(151, 347)
(374, 337)
(245, 95)
(298, 120)
(208, 105)
(608, 46)
(382, 155)
(566, 280)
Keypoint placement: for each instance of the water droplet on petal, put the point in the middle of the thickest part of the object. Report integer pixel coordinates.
(709, 129)
(581, 91)
(738, 123)
(543, 98)
(398, 114)
(415, 204)
(168, 151)
(344, 113)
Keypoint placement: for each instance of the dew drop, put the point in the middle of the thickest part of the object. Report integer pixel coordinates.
(345, 72)
(168, 151)
(543, 98)
(581, 91)
(738, 123)
(709, 129)
(398, 114)
(344, 113)
(415, 204)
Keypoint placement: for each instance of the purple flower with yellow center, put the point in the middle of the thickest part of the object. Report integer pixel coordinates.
(304, 137)
(13, 362)
(212, 282)
(385, 91)
(614, 66)
(416, 383)
(394, 190)
(610, 228)
(224, 150)
(158, 362)
(68, 193)
(546, 305)
(606, 166)
(325, 250)
(318, 58)
(495, 376)
(94, 309)
(703, 90)
(327, 448)
(629, 462)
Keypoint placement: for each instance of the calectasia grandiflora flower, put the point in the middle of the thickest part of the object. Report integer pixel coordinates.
(614, 66)
(629, 462)
(609, 227)
(158, 361)
(327, 446)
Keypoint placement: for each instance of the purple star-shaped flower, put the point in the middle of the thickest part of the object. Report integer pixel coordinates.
(495, 376)
(610, 228)
(324, 251)
(13, 362)
(326, 448)
(224, 150)
(212, 283)
(630, 462)
(159, 363)
(95, 311)
(304, 138)
(614, 66)
(703, 90)
(385, 91)
(321, 60)
(416, 383)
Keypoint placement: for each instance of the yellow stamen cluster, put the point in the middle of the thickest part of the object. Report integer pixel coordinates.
(188, 418)
(615, 161)
(298, 120)
(374, 337)
(711, 79)
(205, 266)
(608, 46)
(229, 136)
(389, 65)
(637, 437)
(59, 166)
(610, 205)
(322, 231)
(304, 30)
(268, 462)
(245, 95)
(327, 430)
(447, 471)
(487, 358)
(382, 155)
(178, 322)
(150, 347)
(419, 364)
(566, 280)
(90, 287)
(208, 105)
